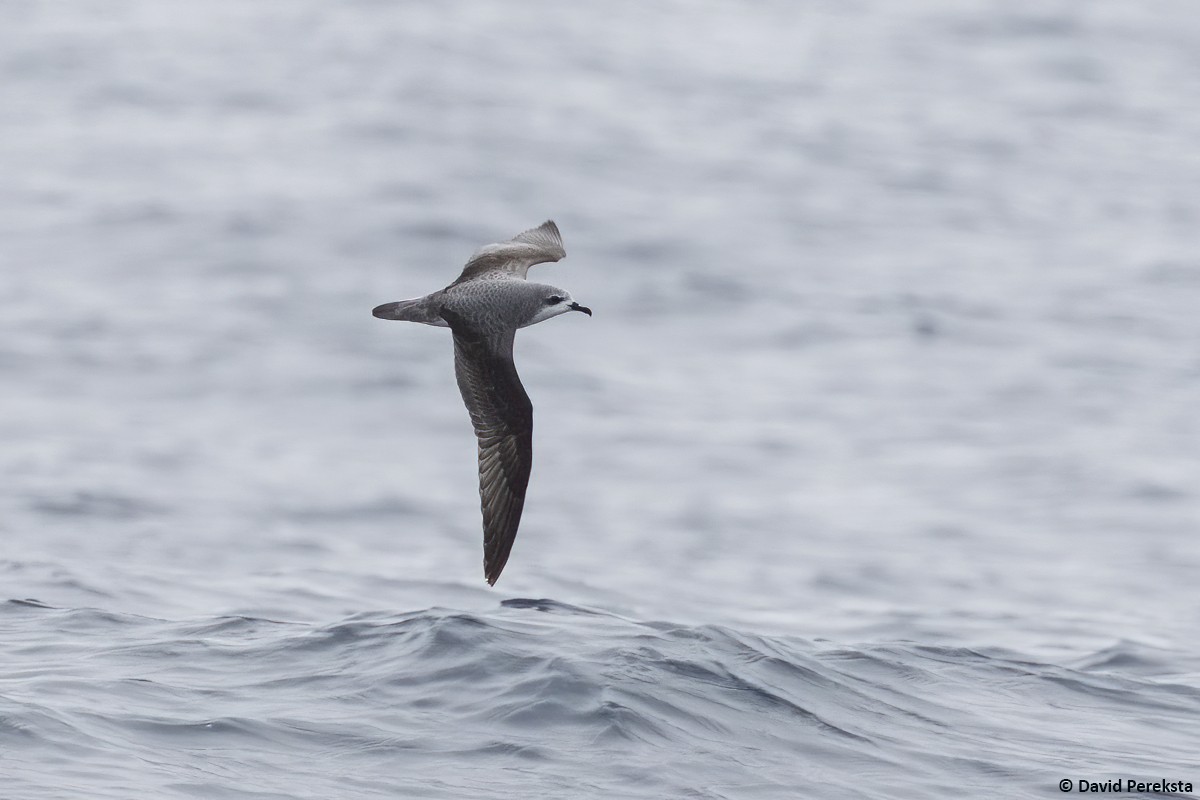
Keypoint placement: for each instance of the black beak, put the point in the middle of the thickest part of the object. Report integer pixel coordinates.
(577, 307)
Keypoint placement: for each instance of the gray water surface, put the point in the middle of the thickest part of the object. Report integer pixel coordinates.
(874, 474)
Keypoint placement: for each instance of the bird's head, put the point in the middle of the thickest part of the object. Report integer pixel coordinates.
(552, 301)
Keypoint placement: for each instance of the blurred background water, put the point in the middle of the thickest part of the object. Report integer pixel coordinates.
(874, 475)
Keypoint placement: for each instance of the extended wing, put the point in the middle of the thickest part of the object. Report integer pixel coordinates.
(503, 419)
(534, 246)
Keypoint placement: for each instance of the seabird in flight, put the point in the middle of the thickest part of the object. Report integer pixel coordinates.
(483, 309)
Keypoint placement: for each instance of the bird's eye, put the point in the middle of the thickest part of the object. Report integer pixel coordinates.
(552, 299)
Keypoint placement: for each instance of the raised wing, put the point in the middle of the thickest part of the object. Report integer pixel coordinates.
(534, 246)
(503, 419)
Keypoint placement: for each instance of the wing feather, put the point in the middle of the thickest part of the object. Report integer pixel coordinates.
(534, 246)
(502, 416)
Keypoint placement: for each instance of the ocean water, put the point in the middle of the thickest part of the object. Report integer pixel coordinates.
(876, 473)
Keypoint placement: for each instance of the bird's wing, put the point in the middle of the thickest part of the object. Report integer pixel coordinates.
(534, 246)
(503, 419)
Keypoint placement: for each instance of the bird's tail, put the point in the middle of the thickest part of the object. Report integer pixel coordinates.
(418, 309)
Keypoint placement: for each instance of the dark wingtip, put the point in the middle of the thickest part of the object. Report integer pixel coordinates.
(492, 569)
